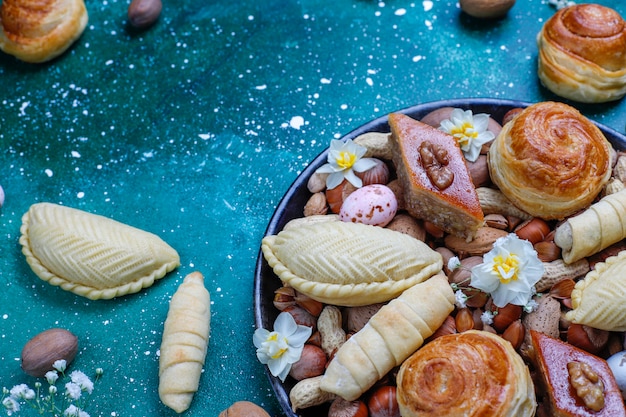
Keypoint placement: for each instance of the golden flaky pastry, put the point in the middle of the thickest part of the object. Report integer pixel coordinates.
(469, 374)
(582, 54)
(349, 264)
(598, 299)
(550, 160)
(91, 255)
(185, 343)
(40, 30)
(388, 338)
(596, 228)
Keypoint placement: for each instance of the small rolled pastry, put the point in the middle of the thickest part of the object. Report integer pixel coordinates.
(595, 229)
(469, 374)
(550, 160)
(582, 54)
(185, 342)
(39, 30)
(598, 299)
(389, 337)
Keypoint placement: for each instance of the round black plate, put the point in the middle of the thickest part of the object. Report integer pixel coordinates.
(292, 204)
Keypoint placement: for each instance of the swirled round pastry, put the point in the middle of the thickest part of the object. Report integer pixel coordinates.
(550, 160)
(582, 54)
(470, 374)
(39, 30)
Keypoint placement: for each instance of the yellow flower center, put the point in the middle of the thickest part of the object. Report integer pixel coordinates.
(464, 133)
(506, 268)
(346, 159)
(273, 337)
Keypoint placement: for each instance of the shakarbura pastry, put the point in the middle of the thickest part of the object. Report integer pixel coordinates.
(39, 30)
(436, 182)
(550, 160)
(582, 54)
(469, 374)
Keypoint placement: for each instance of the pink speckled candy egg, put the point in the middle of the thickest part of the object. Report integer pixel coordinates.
(373, 204)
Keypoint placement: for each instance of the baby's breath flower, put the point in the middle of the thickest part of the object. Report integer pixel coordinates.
(509, 271)
(282, 347)
(344, 159)
(470, 131)
(60, 365)
(487, 317)
(82, 380)
(73, 411)
(454, 263)
(52, 377)
(531, 306)
(52, 389)
(460, 298)
(11, 405)
(73, 390)
(22, 391)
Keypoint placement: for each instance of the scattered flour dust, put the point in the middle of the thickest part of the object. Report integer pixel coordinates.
(296, 122)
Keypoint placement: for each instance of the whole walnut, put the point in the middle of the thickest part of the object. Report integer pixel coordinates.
(244, 409)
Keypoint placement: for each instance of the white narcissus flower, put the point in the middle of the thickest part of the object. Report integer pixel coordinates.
(282, 347)
(509, 271)
(344, 159)
(470, 131)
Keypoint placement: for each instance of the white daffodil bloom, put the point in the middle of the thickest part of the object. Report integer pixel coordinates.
(282, 347)
(344, 159)
(509, 271)
(469, 130)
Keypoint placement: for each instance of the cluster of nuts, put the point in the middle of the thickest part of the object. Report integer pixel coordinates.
(333, 325)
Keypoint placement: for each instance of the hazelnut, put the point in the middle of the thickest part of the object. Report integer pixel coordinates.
(40, 352)
(312, 363)
(143, 13)
(378, 174)
(244, 409)
(486, 9)
(506, 315)
(587, 338)
(344, 408)
(383, 402)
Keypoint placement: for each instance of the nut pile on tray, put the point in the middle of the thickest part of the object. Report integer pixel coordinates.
(393, 273)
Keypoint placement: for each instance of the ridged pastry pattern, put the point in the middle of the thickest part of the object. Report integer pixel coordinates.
(388, 338)
(469, 374)
(596, 228)
(92, 255)
(185, 342)
(39, 30)
(598, 299)
(349, 264)
(550, 160)
(582, 54)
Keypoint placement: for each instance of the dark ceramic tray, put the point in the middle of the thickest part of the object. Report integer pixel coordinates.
(292, 204)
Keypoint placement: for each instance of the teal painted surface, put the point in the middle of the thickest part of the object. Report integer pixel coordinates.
(194, 129)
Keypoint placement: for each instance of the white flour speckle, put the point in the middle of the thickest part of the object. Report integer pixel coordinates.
(428, 5)
(296, 122)
(400, 12)
(23, 107)
(49, 172)
(75, 154)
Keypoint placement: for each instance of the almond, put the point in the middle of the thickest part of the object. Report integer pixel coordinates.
(143, 13)
(40, 353)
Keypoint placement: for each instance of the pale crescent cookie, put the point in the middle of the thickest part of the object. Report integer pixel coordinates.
(92, 255)
(349, 264)
(598, 299)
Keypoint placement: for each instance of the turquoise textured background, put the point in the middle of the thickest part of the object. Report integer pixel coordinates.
(194, 129)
